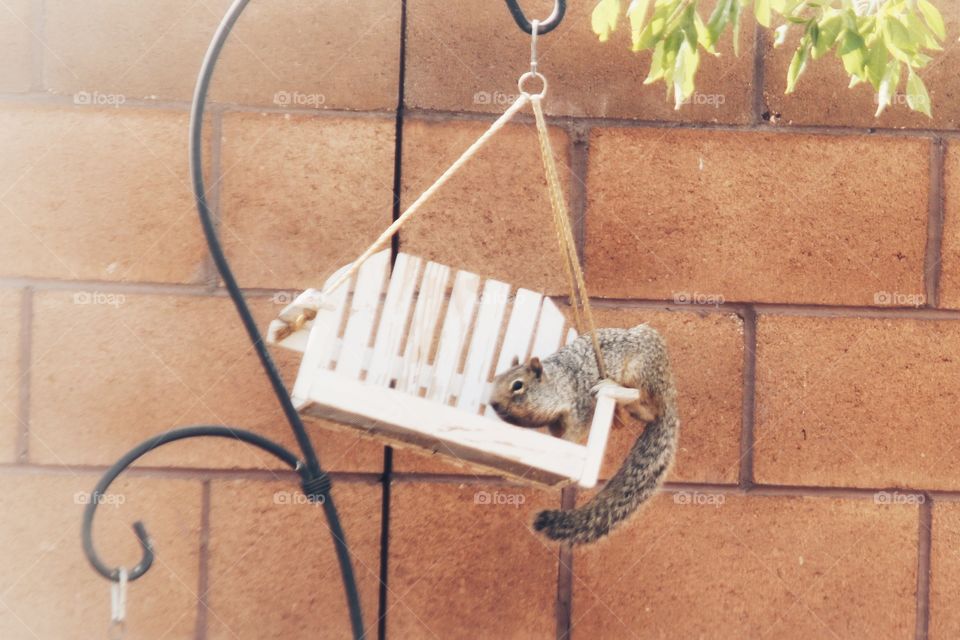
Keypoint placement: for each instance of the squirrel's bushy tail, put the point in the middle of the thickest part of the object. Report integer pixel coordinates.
(638, 478)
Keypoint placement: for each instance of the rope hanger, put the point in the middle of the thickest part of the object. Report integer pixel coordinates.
(579, 298)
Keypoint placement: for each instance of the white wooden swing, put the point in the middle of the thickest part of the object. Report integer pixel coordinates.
(373, 360)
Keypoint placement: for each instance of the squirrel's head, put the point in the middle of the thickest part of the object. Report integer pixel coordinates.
(518, 394)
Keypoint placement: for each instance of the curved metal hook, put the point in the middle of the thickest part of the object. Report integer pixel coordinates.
(146, 545)
(546, 26)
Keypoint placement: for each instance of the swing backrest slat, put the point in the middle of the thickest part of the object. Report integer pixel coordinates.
(393, 319)
(480, 357)
(363, 311)
(453, 335)
(426, 317)
(519, 332)
(549, 330)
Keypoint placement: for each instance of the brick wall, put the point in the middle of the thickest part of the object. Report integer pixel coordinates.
(814, 386)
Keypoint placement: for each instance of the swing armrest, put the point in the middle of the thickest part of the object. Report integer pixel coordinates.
(291, 327)
(609, 395)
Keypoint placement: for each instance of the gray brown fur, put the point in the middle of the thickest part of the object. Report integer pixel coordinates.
(558, 393)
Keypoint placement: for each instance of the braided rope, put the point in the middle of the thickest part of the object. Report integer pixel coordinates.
(561, 219)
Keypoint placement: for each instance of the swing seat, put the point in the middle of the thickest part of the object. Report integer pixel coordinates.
(407, 383)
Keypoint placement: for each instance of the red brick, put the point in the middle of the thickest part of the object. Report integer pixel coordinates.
(857, 402)
(464, 563)
(343, 54)
(10, 303)
(706, 352)
(347, 52)
(263, 530)
(944, 570)
(303, 196)
(473, 61)
(950, 256)
(161, 362)
(718, 213)
(16, 45)
(49, 590)
(752, 567)
(97, 194)
(493, 217)
(137, 50)
(822, 97)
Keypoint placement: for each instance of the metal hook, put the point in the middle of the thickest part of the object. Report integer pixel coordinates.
(146, 545)
(118, 607)
(548, 25)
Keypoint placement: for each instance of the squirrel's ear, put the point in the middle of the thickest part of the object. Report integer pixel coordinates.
(515, 362)
(536, 366)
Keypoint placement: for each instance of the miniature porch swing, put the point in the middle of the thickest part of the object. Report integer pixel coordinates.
(393, 390)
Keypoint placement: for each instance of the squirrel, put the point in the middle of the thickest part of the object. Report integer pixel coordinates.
(559, 392)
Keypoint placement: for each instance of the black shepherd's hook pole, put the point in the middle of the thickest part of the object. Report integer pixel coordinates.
(314, 481)
(545, 26)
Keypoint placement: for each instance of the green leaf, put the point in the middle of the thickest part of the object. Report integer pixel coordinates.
(829, 31)
(736, 10)
(853, 54)
(656, 64)
(918, 29)
(603, 20)
(888, 86)
(689, 25)
(637, 12)
(654, 29)
(704, 37)
(877, 64)
(898, 39)
(718, 20)
(797, 65)
(813, 31)
(762, 9)
(684, 71)
(917, 96)
(932, 17)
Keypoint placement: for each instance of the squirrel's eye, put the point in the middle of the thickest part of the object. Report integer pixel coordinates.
(517, 386)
